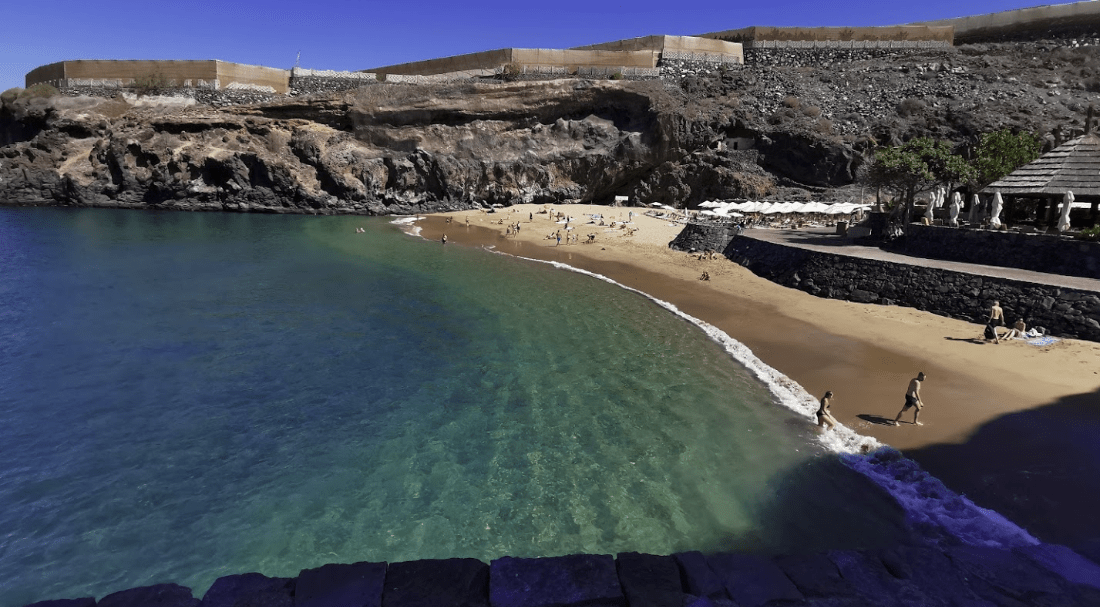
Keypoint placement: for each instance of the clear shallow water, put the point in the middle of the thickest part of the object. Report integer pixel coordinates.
(185, 396)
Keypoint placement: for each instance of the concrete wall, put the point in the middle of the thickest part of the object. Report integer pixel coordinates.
(229, 74)
(443, 65)
(896, 33)
(493, 60)
(199, 73)
(1014, 23)
(671, 45)
(53, 73)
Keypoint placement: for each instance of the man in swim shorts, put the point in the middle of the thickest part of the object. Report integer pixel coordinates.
(824, 416)
(912, 399)
(996, 319)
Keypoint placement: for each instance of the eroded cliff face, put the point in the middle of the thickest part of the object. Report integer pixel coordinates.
(396, 149)
(385, 149)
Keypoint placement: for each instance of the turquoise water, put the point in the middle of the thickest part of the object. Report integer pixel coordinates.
(185, 396)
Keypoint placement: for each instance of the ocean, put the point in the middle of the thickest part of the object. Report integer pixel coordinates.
(185, 396)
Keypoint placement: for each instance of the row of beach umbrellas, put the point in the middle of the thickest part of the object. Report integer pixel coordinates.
(734, 209)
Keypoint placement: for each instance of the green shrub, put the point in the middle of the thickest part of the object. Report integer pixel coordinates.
(511, 72)
(380, 76)
(1092, 234)
(9, 96)
(616, 76)
(39, 91)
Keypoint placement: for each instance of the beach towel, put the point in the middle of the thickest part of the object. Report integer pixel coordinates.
(1043, 341)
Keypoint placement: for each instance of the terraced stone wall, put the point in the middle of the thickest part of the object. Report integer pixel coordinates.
(1036, 252)
(1062, 312)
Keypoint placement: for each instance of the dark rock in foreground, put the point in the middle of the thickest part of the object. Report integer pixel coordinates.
(903, 576)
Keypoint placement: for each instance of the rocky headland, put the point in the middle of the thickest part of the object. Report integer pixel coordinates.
(809, 121)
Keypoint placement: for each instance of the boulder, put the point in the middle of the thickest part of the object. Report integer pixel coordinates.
(250, 590)
(698, 578)
(650, 581)
(753, 581)
(160, 595)
(83, 602)
(355, 585)
(437, 583)
(815, 575)
(580, 579)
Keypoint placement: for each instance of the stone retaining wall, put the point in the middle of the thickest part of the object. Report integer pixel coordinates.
(1036, 252)
(215, 97)
(1062, 312)
(823, 56)
(699, 236)
(1034, 575)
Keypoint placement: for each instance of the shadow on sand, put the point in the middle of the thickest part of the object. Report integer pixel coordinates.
(974, 340)
(877, 419)
(1039, 468)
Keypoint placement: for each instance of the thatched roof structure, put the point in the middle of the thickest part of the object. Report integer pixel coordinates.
(1073, 166)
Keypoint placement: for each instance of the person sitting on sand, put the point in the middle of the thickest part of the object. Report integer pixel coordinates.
(444, 239)
(912, 399)
(824, 415)
(1017, 330)
(705, 276)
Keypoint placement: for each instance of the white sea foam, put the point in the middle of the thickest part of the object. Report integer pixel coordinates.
(934, 511)
(408, 225)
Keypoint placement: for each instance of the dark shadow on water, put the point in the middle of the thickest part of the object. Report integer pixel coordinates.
(1039, 468)
(877, 419)
(819, 505)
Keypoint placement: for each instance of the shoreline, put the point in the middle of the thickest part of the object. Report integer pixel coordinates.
(864, 353)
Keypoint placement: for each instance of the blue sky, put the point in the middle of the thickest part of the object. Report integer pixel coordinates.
(355, 35)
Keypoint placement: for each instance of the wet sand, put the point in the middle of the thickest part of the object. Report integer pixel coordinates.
(865, 354)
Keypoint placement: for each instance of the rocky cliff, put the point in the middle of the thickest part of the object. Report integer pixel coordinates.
(395, 148)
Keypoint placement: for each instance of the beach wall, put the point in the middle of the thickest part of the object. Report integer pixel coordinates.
(1062, 312)
(1042, 574)
(703, 237)
(210, 73)
(1026, 23)
(1038, 252)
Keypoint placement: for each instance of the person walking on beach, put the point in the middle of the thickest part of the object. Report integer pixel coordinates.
(824, 415)
(996, 319)
(912, 399)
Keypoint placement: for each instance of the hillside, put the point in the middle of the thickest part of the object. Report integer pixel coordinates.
(392, 148)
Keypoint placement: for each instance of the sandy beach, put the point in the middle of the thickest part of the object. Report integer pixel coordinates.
(982, 399)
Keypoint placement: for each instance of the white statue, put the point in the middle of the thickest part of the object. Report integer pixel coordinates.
(1067, 203)
(995, 216)
(975, 202)
(953, 211)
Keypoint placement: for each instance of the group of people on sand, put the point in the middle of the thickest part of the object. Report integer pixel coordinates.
(912, 401)
(997, 319)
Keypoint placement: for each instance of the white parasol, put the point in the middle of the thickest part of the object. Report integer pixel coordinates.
(1067, 204)
(953, 212)
(995, 216)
